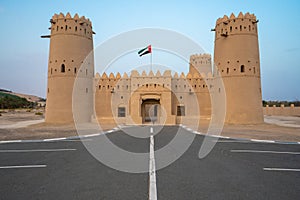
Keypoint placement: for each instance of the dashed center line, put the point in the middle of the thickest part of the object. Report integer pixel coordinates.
(152, 172)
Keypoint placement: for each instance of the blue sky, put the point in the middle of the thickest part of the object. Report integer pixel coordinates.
(24, 55)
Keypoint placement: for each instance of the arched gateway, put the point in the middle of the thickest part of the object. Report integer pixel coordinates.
(150, 111)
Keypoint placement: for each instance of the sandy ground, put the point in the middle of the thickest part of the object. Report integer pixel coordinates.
(278, 128)
(286, 121)
(263, 132)
(25, 125)
(22, 124)
(10, 117)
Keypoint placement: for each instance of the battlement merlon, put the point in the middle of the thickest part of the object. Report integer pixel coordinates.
(204, 55)
(81, 20)
(151, 74)
(200, 59)
(245, 24)
(225, 19)
(61, 23)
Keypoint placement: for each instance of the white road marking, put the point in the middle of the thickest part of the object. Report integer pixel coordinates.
(22, 166)
(281, 169)
(77, 140)
(151, 130)
(215, 136)
(258, 151)
(224, 137)
(91, 135)
(248, 141)
(10, 141)
(268, 141)
(152, 173)
(54, 139)
(218, 136)
(231, 141)
(33, 150)
(110, 131)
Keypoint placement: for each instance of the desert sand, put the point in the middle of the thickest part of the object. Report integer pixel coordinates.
(23, 124)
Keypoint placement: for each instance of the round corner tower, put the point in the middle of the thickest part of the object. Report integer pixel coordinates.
(236, 58)
(71, 41)
(200, 63)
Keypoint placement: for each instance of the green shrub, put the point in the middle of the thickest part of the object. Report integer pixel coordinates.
(9, 101)
(278, 103)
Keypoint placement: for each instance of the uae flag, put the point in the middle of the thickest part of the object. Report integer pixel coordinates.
(145, 50)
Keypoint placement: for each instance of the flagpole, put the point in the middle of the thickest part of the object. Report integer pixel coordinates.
(151, 60)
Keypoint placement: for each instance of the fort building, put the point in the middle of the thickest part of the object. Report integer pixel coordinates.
(236, 56)
(161, 97)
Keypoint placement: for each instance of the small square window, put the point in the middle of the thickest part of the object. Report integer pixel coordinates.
(180, 111)
(121, 112)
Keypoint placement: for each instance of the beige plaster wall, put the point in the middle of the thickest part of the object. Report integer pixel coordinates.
(236, 45)
(70, 43)
(200, 63)
(282, 111)
(188, 90)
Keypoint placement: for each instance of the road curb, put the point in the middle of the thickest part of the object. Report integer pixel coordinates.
(239, 139)
(117, 128)
(60, 138)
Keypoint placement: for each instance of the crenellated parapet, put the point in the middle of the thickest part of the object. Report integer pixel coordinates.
(143, 74)
(192, 82)
(151, 74)
(71, 43)
(111, 76)
(66, 24)
(236, 46)
(200, 59)
(183, 82)
(200, 63)
(109, 83)
(242, 24)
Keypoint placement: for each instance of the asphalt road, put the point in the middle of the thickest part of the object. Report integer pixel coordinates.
(232, 170)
